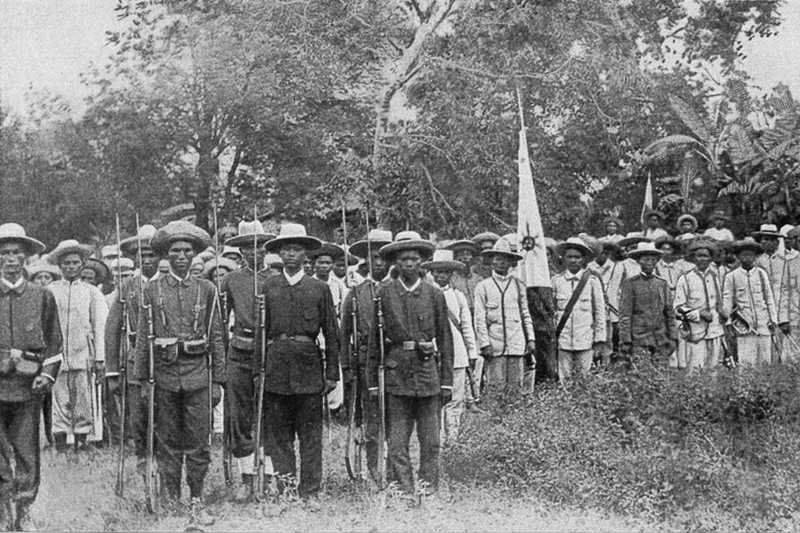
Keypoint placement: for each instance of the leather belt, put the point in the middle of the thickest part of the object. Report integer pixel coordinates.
(296, 338)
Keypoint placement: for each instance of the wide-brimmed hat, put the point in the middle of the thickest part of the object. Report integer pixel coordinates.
(292, 233)
(502, 247)
(747, 244)
(793, 233)
(109, 251)
(592, 242)
(700, 243)
(514, 240)
(609, 220)
(407, 240)
(230, 250)
(654, 213)
(609, 246)
(101, 270)
(645, 248)
(443, 260)
(687, 217)
(129, 245)
(38, 267)
(227, 232)
(250, 231)
(767, 230)
(376, 238)
(785, 229)
(462, 244)
(575, 243)
(180, 230)
(13, 232)
(485, 236)
(632, 238)
(668, 239)
(327, 248)
(121, 263)
(69, 246)
(223, 262)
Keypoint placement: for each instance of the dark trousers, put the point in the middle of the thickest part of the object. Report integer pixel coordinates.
(182, 431)
(137, 418)
(287, 416)
(403, 413)
(239, 395)
(367, 417)
(19, 451)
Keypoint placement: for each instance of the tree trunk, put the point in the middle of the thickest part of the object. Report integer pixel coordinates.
(207, 172)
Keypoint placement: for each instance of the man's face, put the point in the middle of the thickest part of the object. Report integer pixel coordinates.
(719, 223)
(89, 276)
(408, 262)
(702, 258)
(251, 256)
(686, 226)
(340, 267)
(442, 277)
(791, 244)
(602, 257)
(12, 259)
(668, 250)
(573, 260)
(379, 266)
(486, 245)
(236, 258)
(43, 278)
(323, 265)
(653, 221)
(612, 228)
(464, 255)
(180, 255)
(770, 244)
(500, 264)
(71, 266)
(149, 261)
(648, 263)
(747, 258)
(308, 266)
(292, 256)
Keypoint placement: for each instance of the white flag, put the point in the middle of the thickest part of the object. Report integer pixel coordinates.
(533, 269)
(648, 199)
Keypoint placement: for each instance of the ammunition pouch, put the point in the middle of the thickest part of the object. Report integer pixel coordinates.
(194, 347)
(23, 363)
(424, 349)
(166, 349)
(244, 341)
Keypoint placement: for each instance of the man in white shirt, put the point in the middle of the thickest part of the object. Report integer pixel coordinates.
(465, 353)
(654, 221)
(611, 273)
(718, 231)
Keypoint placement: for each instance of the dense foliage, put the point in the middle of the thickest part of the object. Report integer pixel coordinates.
(709, 451)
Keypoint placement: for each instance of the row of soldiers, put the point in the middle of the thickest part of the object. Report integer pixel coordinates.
(418, 328)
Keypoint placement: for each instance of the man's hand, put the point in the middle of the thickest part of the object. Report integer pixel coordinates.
(113, 384)
(330, 384)
(41, 385)
(486, 351)
(447, 395)
(785, 328)
(530, 347)
(216, 394)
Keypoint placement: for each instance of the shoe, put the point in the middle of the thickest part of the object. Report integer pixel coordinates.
(244, 492)
(199, 514)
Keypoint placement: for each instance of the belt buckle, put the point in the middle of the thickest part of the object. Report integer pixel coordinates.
(409, 345)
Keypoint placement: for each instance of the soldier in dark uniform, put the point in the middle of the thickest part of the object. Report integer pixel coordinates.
(419, 361)
(30, 357)
(136, 413)
(354, 366)
(298, 373)
(646, 316)
(188, 331)
(239, 296)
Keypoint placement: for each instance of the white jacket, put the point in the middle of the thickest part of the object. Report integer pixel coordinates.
(460, 320)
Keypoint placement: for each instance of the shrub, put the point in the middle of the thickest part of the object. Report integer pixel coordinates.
(707, 450)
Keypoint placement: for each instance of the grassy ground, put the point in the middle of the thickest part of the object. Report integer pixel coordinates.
(77, 494)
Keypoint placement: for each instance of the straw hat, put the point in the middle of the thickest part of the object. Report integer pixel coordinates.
(687, 218)
(702, 243)
(645, 248)
(767, 230)
(38, 267)
(180, 230)
(249, 232)
(747, 244)
(462, 244)
(634, 237)
(13, 232)
(101, 270)
(376, 238)
(443, 260)
(575, 243)
(222, 262)
(407, 240)
(485, 236)
(502, 247)
(69, 246)
(292, 233)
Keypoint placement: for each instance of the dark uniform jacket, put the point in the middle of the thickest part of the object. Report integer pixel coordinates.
(297, 366)
(29, 322)
(363, 296)
(130, 293)
(181, 311)
(646, 315)
(237, 288)
(411, 317)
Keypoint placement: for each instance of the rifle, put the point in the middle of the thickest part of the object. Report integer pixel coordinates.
(151, 472)
(381, 369)
(260, 303)
(354, 430)
(123, 377)
(227, 455)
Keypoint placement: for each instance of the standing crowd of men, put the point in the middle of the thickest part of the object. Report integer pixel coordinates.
(405, 333)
